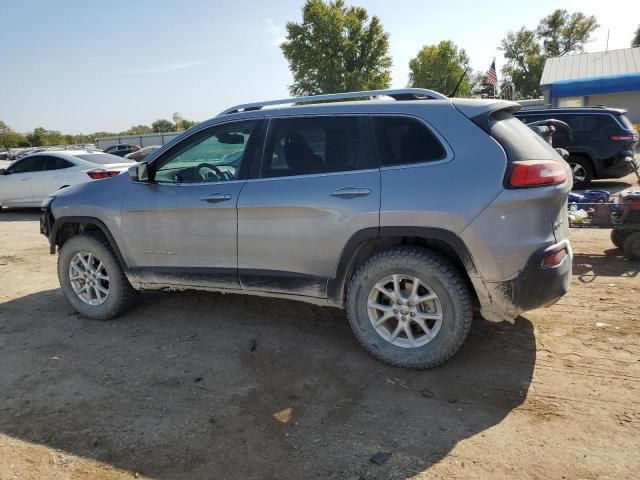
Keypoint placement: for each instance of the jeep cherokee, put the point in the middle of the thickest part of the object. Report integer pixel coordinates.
(407, 208)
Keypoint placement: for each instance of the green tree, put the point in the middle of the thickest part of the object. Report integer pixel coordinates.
(9, 138)
(138, 130)
(563, 33)
(440, 67)
(525, 51)
(336, 49)
(525, 62)
(636, 38)
(54, 137)
(479, 86)
(185, 124)
(38, 137)
(163, 125)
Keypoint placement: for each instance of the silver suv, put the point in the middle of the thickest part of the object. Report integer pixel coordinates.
(407, 208)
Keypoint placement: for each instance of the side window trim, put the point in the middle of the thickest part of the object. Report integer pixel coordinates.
(449, 153)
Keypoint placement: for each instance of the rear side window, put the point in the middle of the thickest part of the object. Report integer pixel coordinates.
(581, 123)
(55, 163)
(401, 141)
(518, 140)
(307, 146)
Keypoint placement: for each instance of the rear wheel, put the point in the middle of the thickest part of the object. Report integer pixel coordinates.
(618, 237)
(632, 246)
(581, 169)
(92, 279)
(409, 307)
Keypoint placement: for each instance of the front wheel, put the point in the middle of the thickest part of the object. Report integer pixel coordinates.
(409, 307)
(92, 279)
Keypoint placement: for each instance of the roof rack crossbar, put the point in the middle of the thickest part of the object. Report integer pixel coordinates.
(397, 94)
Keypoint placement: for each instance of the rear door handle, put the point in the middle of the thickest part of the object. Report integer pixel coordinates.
(350, 192)
(216, 197)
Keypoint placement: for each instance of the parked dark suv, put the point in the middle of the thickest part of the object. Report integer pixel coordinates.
(602, 140)
(122, 149)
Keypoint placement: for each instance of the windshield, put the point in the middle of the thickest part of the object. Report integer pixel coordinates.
(102, 158)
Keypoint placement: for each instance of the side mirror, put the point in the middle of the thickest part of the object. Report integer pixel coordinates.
(139, 172)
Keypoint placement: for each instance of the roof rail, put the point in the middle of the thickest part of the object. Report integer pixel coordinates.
(397, 94)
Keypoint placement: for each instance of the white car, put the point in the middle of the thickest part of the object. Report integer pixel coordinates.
(31, 179)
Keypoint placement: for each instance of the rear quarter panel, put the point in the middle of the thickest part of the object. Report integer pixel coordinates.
(446, 194)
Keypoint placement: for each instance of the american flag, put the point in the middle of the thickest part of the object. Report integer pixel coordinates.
(492, 77)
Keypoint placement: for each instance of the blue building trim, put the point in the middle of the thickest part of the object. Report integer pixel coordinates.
(595, 85)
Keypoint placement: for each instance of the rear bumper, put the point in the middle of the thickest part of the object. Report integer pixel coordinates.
(535, 286)
(623, 166)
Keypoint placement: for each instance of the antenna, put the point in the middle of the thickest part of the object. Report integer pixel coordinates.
(607, 47)
(455, 90)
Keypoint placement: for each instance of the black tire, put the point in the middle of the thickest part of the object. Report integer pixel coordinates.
(121, 296)
(618, 237)
(586, 170)
(632, 246)
(446, 282)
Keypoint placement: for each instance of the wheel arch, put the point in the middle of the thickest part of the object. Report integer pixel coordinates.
(66, 227)
(585, 156)
(369, 241)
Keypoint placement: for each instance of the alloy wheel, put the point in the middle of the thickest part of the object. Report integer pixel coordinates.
(578, 171)
(405, 311)
(89, 278)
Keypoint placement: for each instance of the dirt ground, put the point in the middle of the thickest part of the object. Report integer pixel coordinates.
(195, 386)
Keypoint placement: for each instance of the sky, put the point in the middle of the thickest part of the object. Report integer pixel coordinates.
(81, 67)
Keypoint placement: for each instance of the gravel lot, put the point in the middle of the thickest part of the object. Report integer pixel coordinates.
(194, 385)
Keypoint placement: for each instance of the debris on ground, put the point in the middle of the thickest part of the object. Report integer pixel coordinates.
(380, 458)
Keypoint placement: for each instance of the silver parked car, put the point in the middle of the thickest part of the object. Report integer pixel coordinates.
(408, 213)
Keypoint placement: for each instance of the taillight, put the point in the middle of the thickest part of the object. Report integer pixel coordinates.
(630, 205)
(554, 259)
(537, 173)
(100, 174)
(631, 137)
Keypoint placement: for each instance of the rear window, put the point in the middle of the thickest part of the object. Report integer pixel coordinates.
(626, 122)
(102, 158)
(518, 140)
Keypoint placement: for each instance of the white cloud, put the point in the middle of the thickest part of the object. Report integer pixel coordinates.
(168, 67)
(279, 34)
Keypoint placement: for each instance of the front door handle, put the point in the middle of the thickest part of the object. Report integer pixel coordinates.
(350, 192)
(216, 197)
